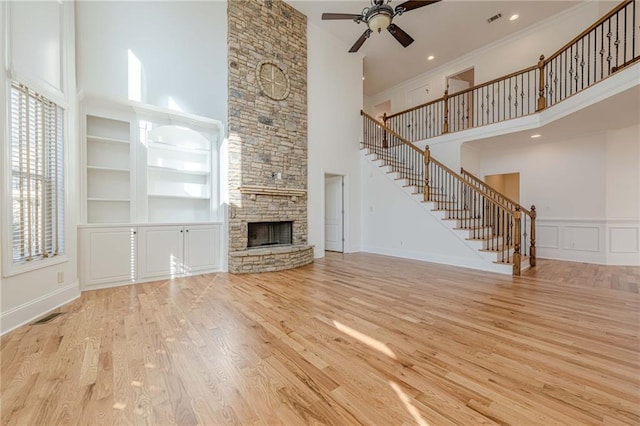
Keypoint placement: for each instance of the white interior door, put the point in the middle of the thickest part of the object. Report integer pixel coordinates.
(333, 214)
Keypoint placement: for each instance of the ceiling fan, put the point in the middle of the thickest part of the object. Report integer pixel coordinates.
(378, 17)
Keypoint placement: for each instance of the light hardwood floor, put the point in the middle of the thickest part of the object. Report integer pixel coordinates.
(351, 339)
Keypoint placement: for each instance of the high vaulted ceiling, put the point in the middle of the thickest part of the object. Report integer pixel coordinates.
(446, 30)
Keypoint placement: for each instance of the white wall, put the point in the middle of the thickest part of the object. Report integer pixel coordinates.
(334, 101)
(505, 56)
(586, 191)
(182, 47)
(42, 55)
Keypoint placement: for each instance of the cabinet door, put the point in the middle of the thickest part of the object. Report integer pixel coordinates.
(202, 248)
(160, 251)
(107, 255)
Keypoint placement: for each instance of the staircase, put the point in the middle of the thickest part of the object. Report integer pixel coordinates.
(502, 231)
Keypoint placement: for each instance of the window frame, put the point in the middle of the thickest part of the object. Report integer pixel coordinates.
(9, 268)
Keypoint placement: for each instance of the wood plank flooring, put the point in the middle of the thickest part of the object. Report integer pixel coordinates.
(350, 339)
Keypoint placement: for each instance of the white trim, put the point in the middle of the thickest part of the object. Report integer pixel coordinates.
(10, 270)
(147, 110)
(137, 224)
(6, 226)
(23, 314)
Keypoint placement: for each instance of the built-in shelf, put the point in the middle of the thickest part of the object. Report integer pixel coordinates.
(119, 200)
(176, 170)
(106, 140)
(108, 169)
(191, 197)
(170, 147)
(108, 178)
(141, 163)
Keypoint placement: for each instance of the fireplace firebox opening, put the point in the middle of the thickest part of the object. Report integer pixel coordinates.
(270, 234)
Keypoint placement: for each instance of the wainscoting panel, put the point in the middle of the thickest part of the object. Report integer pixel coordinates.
(547, 236)
(623, 240)
(623, 243)
(583, 238)
(602, 241)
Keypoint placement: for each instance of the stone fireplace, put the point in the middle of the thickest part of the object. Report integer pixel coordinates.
(267, 134)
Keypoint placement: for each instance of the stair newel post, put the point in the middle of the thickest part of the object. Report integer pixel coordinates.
(427, 160)
(445, 126)
(385, 143)
(542, 101)
(532, 250)
(517, 232)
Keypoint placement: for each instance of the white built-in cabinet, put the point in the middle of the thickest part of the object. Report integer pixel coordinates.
(150, 194)
(107, 255)
(177, 250)
(116, 255)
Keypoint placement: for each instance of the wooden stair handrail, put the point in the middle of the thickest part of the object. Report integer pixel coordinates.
(388, 130)
(447, 169)
(476, 179)
(415, 107)
(464, 181)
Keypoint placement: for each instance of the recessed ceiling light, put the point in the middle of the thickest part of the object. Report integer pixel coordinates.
(514, 17)
(535, 136)
(363, 77)
(430, 58)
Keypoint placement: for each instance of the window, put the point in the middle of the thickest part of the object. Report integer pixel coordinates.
(37, 176)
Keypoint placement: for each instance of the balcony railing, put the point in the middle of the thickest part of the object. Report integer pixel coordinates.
(606, 47)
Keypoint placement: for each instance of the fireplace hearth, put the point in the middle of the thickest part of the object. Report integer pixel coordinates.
(269, 234)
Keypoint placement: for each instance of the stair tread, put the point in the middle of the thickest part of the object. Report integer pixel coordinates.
(459, 218)
(486, 238)
(472, 228)
(496, 250)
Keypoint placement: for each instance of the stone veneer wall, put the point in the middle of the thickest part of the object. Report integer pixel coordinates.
(266, 137)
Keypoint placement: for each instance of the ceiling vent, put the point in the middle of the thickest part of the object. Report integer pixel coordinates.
(494, 17)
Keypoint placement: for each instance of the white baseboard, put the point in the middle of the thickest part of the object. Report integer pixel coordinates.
(461, 262)
(112, 284)
(33, 309)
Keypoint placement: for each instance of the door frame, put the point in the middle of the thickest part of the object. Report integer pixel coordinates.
(345, 210)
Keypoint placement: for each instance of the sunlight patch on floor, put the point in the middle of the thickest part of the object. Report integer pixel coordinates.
(367, 340)
(407, 404)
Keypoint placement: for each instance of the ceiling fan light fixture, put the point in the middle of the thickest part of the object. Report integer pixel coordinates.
(379, 22)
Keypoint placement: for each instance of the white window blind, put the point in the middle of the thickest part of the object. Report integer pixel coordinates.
(37, 187)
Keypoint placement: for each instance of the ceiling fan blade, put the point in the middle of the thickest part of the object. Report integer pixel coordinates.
(414, 4)
(403, 38)
(358, 44)
(350, 16)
